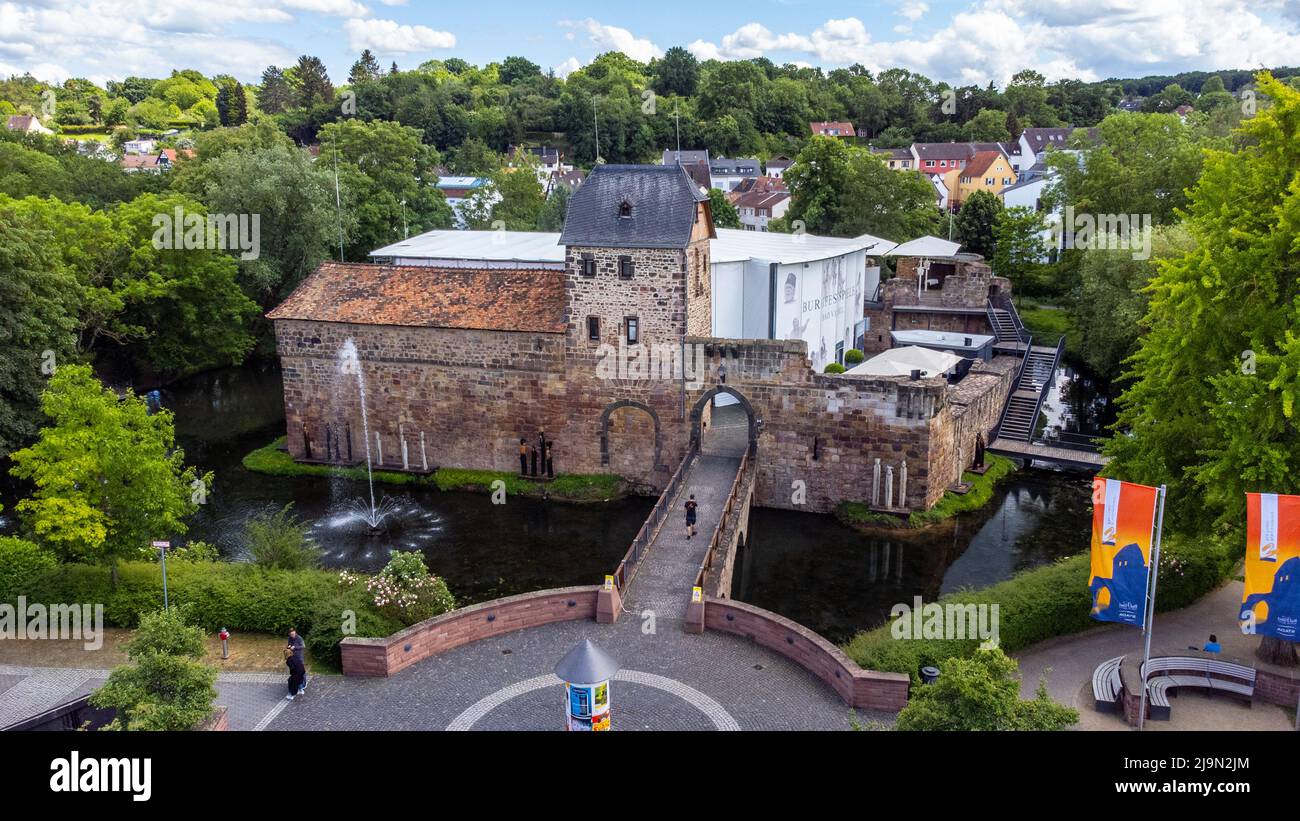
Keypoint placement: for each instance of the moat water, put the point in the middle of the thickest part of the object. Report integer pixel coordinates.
(807, 567)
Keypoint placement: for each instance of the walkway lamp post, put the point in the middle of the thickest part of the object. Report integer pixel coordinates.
(163, 547)
(586, 671)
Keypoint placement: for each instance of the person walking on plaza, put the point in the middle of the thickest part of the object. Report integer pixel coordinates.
(295, 647)
(690, 516)
(523, 456)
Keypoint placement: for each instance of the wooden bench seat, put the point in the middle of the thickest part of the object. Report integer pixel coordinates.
(1106, 685)
(1166, 675)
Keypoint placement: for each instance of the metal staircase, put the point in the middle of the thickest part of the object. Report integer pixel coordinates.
(1005, 322)
(1033, 381)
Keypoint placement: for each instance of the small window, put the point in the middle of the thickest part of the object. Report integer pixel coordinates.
(588, 265)
(625, 210)
(633, 326)
(625, 267)
(593, 328)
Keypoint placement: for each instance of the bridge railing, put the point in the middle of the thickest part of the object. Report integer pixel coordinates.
(733, 497)
(1047, 385)
(627, 568)
(1015, 385)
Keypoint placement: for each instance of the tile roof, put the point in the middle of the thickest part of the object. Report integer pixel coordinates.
(662, 199)
(760, 199)
(980, 162)
(427, 297)
(833, 129)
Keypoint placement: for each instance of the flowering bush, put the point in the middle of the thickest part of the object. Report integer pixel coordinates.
(404, 590)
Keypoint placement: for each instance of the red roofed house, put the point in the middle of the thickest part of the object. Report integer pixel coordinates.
(840, 129)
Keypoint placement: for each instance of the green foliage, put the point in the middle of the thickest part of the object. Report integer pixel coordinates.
(1212, 406)
(979, 494)
(981, 693)
(22, 566)
(830, 182)
(406, 592)
(975, 221)
(1049, 601)
(279, 541)
(833, 367)
(1018, 250)
(853, 356)
(551, 215)
(108, 475)
(273, 460)
(166, 687)
(725, 214)
(565, 486)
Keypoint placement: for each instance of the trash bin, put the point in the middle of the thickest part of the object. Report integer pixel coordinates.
(929, 675)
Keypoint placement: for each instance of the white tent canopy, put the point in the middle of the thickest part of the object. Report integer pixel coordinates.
(925, 247)
(902, 361)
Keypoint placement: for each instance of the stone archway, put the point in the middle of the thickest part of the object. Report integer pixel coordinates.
(605, 417)
(697, 413)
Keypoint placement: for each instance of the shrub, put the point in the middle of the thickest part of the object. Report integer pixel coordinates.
(1050, 601)
(348, 608)
(833, 367)
(22, 566)
(567, 486)
(167, 687)
(274, 461)
(853, 356)
(405, 591)
(981, 693)
(278, 540)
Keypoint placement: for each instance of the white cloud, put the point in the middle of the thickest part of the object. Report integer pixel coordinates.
(393, 37)
(567, 67)
(331, 8)
(613, 38)
(913, 9)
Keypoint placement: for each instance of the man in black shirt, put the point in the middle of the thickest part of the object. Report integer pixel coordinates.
(690, 516)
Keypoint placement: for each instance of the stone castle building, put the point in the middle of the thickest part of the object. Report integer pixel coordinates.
(612, 359)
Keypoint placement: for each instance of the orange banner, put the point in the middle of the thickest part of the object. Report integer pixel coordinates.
(1270, 604)
(1123, 519)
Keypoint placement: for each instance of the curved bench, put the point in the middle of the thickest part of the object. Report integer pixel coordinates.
(1166, 675)
(1106, 685)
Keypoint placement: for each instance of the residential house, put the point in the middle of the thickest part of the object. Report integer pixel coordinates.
(941, 158)
(144, 145)
(549, 162)
(457, 190)
(898, 159)
(728, 173)
(832, 129)
(758, 208)
(766, 185)
(27, 124)
(153, 163)
(987, 171)
(696, 163)
(776, 166)
(569, 179)
(1036, 142)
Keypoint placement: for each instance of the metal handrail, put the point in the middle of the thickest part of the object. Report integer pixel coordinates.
(732, 497)
(1015, 384)
(1047, 385)
(626, 570)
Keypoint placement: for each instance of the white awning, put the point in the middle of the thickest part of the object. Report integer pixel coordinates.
(902, 361)
(926, 247)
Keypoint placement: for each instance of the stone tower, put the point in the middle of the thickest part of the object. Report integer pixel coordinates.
(637, 267)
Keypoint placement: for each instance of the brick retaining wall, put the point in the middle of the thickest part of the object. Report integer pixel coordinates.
(865, 689)
(385, 656)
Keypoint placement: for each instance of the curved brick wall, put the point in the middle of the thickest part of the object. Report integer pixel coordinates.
(385, 656)
(867, 689)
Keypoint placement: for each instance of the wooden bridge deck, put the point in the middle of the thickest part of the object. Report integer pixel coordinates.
(1047, 453)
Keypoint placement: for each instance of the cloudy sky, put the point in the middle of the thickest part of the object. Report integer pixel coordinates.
(960, 41)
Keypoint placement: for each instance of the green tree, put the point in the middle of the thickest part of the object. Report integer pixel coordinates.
(1018, 250)
(276, 94)
(989, 125)
(981, 693)
(725, 214)
(278, 540)
(677, 72)
(166, 687)
(232, 104)
(365, 69)
(551, 216)
(518, 69)
(314, 86)
(1212, 407)
(974, 223)
(108, 475)
(41, 298)
(521, 195)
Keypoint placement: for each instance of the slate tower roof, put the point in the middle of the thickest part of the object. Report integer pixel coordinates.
(633, 206)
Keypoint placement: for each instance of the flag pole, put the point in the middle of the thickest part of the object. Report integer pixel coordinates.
(1151, 607)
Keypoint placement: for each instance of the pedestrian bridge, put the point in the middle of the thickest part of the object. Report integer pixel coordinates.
(663, 565)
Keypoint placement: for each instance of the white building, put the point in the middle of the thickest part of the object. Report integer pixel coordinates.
(765, 286)
(728, 173)
(145, 145)
(458, 190)
(1030, 193)
(758, 208)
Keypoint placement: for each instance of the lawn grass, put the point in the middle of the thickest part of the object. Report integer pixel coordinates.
(568, 487)
(859, 514)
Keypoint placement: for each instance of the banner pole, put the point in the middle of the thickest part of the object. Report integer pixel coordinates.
(1151, 608)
